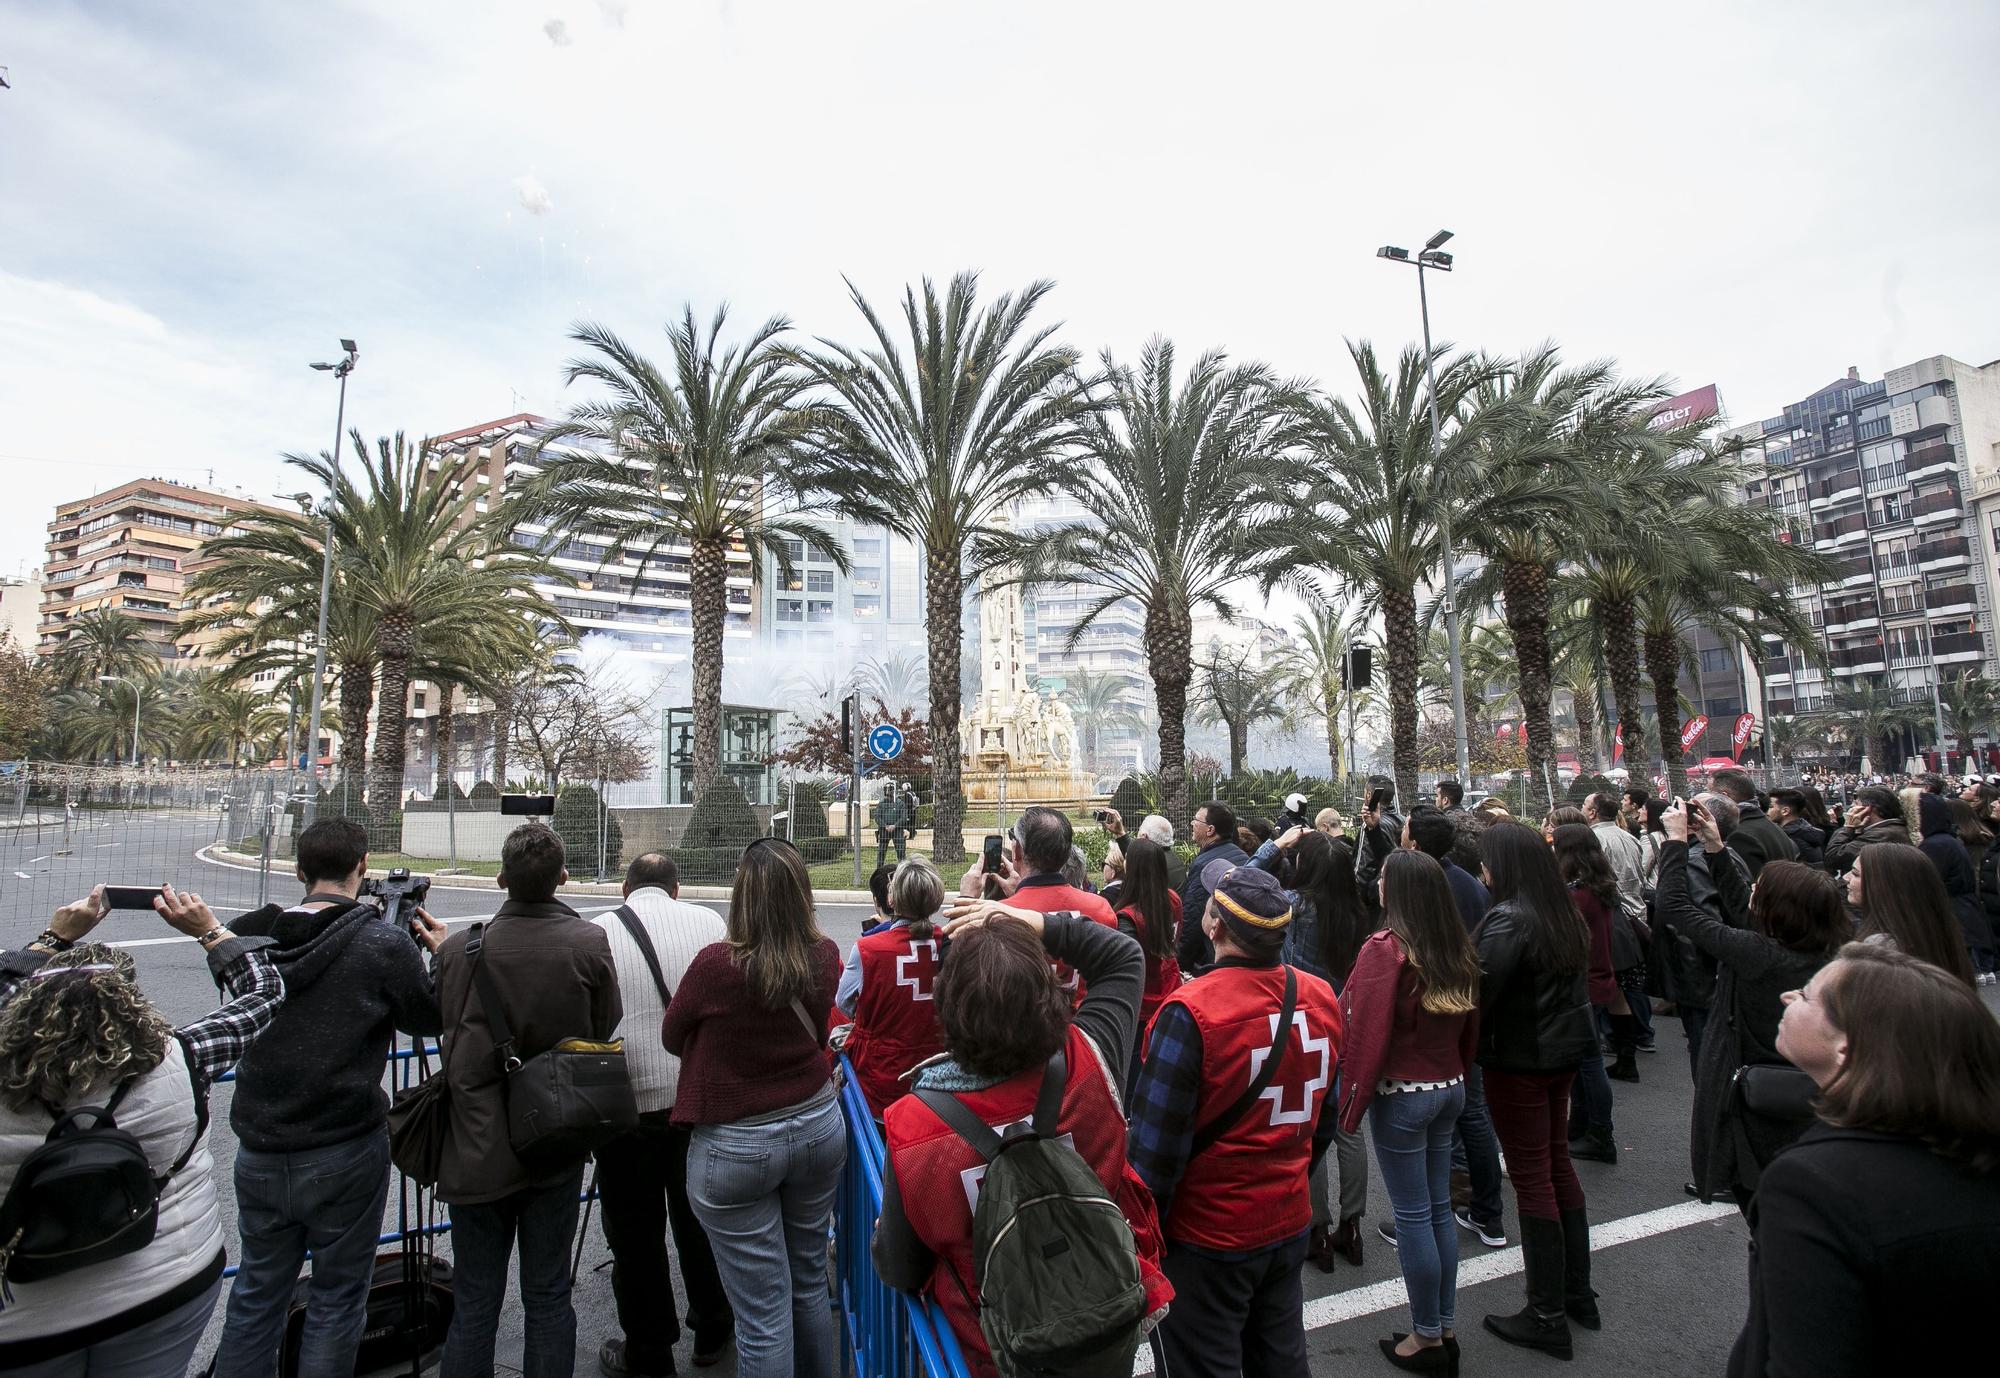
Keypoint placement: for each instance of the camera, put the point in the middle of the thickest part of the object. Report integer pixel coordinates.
(1101, 814)
(395, 890)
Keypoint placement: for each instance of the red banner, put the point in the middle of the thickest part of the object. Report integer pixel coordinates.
(1618, 745)
(1740, 738)
(1522, 732)
(1691, 734)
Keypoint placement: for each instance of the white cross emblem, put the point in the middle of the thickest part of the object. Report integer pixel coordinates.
(924, 956)
(1275, 1092)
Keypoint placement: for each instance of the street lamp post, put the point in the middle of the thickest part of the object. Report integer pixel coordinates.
(339, 370)
(1434, 257)
(120, 679)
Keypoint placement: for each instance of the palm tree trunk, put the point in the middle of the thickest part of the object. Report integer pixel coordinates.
(1663, 665)
(1170, 662)
(357, 693)
(709, 596)
(1336, 769)
(1399, 631)
(395, 640)
(1525, 595)
(503, 734)
(1239, 747)
(446, 741)
(944, 592)
(1584, 708)
(1619, 621)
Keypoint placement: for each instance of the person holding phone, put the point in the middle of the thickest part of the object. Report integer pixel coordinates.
(1875, 816)
(310, 1114)
(1031, 877)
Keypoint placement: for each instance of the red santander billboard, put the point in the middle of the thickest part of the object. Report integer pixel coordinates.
(1687, 409)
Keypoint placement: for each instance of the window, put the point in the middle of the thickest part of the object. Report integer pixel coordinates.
(817, 611)
(791, 610)
(867, 547)
(1885, 509)
(417, 698)
(867, 605)
(794, 549)
(1715, 660)
(819, 581)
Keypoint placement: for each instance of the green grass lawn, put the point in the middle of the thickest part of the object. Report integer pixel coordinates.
(839, 875)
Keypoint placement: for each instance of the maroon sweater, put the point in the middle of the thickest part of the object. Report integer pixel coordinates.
(739, 1059)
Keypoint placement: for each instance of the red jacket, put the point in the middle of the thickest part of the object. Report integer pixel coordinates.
(935, 1176)
(1248, 1190)
(1389, 1032)
(895, 1020)
(1050, 895)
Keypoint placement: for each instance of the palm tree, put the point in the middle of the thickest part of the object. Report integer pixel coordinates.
(936, 444)
(1864, 715)
(221, 715)
(104, 642)
(1174, 483)
(1787, 736)
(1577, 671)
(1369, 510)
(1099, 703)
(1312, 675)
(898, 681)
(1237, 692)
(1971, 704)
(689, 465)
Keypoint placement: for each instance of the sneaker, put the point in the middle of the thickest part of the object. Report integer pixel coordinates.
(1493, 1236)
(1651, 1045)
(1387, 1229)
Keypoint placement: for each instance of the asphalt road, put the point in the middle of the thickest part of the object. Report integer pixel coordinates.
(1671, 1271)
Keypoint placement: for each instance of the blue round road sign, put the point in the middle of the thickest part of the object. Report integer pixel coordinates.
(885, 741)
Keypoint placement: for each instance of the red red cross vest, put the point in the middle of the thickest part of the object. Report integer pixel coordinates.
(1054, 899)
(1163, 974)
(1248, 1191)
(931, 1165)
(895, 1021)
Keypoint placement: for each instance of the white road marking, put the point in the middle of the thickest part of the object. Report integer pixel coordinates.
(1321, 1312)
(32, 860)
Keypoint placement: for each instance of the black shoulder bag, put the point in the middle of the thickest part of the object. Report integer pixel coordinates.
(562, 1103)
(1205, 1138)
(627, 917)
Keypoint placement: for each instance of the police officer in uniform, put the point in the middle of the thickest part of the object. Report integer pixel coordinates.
(892, 824)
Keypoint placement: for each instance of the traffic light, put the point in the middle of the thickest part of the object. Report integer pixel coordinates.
(1356, 668)
(847, 728)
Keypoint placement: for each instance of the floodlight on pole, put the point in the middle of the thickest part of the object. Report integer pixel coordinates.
(1434, 258)
(339, 370)
(136, 696)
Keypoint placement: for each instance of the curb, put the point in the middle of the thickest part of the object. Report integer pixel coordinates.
(216, 854)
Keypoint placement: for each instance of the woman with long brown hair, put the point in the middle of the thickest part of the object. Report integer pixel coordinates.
(1877, 1235)
(768, 1138)
(1149, 911)
(1535, 1029)
(1593, 888)
(1899, 899)
(1409, 1008)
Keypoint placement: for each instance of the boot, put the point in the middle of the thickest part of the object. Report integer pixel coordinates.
(1540, 1324)
(1597, 1147)
(1319, 1251)
(1346, 1240)
(1625, 1067)
(1578, 1298)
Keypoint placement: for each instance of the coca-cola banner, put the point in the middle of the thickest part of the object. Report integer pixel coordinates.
(1691, 734)
(1618, 745)
(1740, 738)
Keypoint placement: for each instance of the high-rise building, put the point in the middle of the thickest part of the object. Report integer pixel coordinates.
(21, 609)
(127, 550)
(1898, 481)
(873, 611)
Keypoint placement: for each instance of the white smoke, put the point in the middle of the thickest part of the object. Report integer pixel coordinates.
(533, 195)
(614, 12)
(558, 32)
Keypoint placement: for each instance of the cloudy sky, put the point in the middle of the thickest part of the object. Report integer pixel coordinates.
(196, 201)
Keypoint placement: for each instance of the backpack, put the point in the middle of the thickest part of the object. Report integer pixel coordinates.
(87, 1195)
(1055, 1265)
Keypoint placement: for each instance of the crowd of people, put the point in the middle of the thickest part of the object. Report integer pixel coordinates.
(1116, 1111)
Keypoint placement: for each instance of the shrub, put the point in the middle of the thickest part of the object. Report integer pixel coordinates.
(721, 818)
(1131, 802)
(483, 790)
(576, 822)
(809, 806)
(1583, 786)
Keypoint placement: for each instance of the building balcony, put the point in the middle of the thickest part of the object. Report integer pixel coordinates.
(1860, 660)
(1950, 599)
(1853, 620)
(1854, 571)
(1835, 531)
(1940, 506)
(1839, 487)
(1958, 648)
(1943, 552)
(1929, 458)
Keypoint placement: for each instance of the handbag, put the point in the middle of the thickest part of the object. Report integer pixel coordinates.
(1775, 1092)
(409, 1308)
(419, 1121)
(562, 1103)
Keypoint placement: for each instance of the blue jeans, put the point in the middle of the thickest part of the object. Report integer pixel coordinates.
(1590, 1094)
(1413, 1148)
(1476, 1149)
(764, 1190)
(161, 1346)
(326, 1200)
(543, 1219)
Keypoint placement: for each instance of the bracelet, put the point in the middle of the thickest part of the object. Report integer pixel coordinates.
(213, 936)
(53, 941)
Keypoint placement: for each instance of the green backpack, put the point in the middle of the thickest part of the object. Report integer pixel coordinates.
(1055, 1265)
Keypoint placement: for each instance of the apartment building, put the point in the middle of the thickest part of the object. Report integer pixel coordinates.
(128, 550)
(21, 609)
(872, 611)
(1898, 481)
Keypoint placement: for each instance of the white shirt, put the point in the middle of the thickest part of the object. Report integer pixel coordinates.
(679, 930)
(1628, 860)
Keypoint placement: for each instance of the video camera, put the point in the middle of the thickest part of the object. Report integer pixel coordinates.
(395, 890)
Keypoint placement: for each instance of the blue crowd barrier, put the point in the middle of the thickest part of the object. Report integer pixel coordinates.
(885, 1333)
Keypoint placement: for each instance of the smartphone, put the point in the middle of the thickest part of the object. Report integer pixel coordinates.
(1378, 797)
(989, 860)
(132, 896)
(537, 805)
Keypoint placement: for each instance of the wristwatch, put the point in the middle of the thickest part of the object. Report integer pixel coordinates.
(210, 937)
(53, 941)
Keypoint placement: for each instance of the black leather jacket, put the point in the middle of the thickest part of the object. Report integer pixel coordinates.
(1692, 879)
(1530, 1019)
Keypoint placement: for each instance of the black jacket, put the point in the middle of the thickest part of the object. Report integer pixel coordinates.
(1869, 1255)
(1810, 841)
(1954, 865)
(1193, 950)
(1847, 842)
(351, 982)
(1530, 1019)
(1376, 844)
(1692, 879)
(1758, 840)
(1989, 886)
